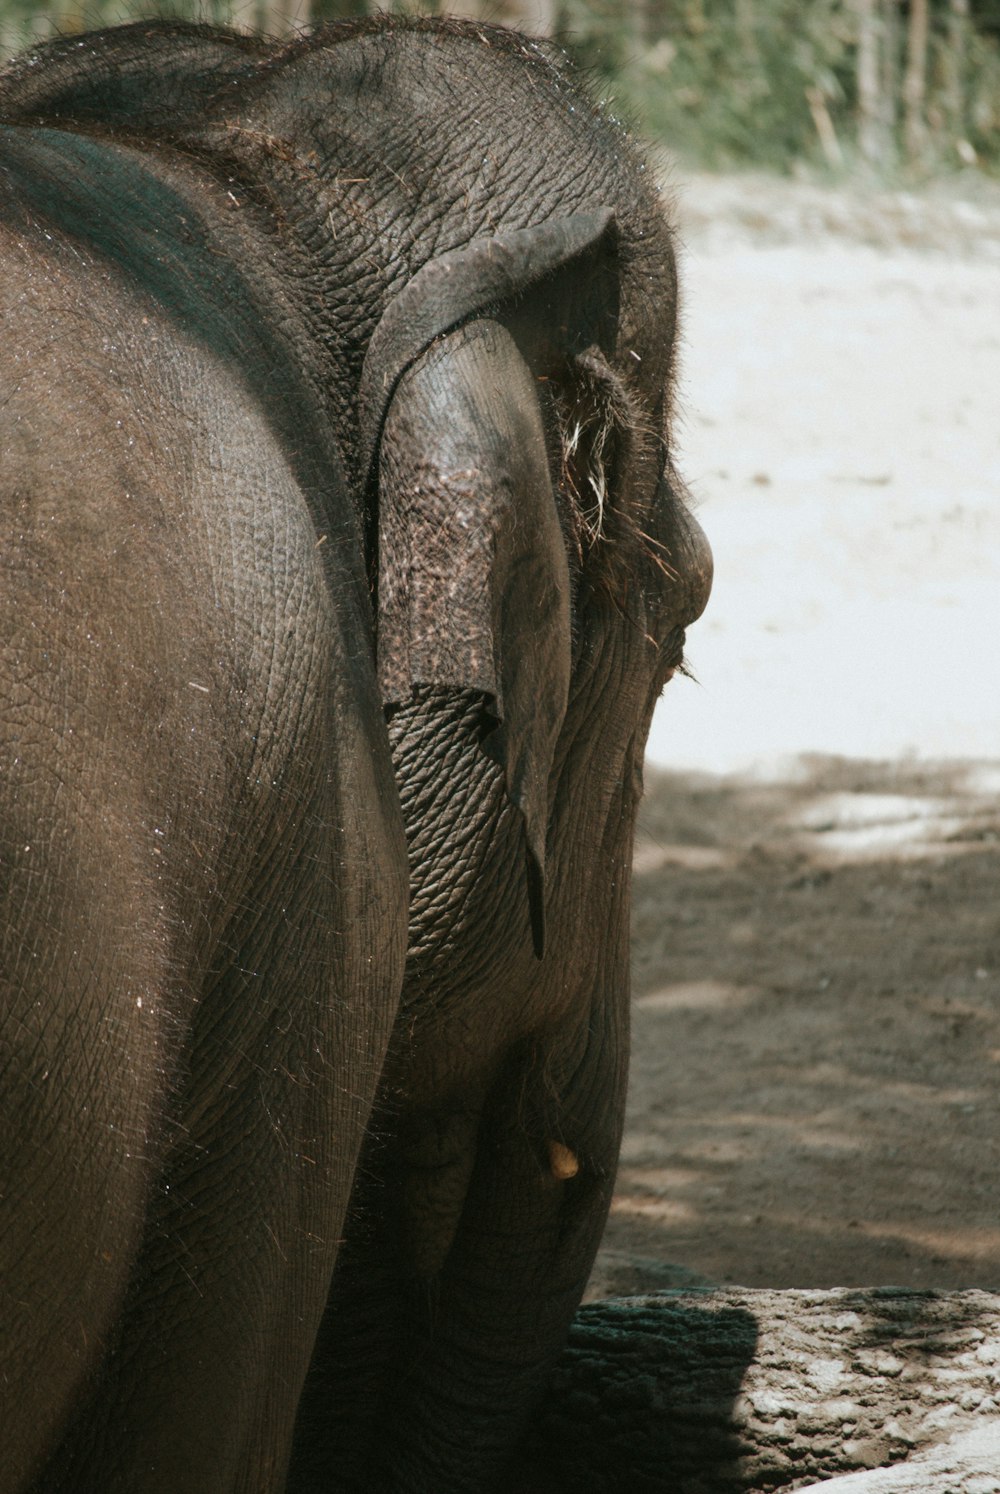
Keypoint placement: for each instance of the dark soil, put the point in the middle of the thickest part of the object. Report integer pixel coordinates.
(816, 1032)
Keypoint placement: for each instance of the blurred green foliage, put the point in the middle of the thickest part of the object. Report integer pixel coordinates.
(776, 82)
(725, 84)
(722, 83)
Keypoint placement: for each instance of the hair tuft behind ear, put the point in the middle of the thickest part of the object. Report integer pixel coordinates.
(598, 428)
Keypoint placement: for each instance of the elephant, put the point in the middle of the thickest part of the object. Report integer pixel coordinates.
(344, 559)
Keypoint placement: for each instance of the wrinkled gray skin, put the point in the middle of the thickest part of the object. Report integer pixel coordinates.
(343, 562)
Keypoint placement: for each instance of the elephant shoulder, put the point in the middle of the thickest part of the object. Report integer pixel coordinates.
(158, 443)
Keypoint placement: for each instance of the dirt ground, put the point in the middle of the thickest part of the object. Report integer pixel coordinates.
(816, 1054)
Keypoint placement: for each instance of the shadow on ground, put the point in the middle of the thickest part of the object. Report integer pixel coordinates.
(816, 1032)
(613, 1419)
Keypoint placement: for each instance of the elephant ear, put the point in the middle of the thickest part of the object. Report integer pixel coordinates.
(473, 580)
(455, 287)
(473, 585)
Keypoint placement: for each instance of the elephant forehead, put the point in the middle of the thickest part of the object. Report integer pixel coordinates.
(414, 155)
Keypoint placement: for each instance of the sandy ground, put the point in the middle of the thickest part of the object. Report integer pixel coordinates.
(815, 1097)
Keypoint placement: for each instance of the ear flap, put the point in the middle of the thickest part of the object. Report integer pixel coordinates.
(451, 289)
(473, 581)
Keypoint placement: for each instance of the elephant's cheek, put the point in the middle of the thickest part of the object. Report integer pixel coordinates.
(699, 568)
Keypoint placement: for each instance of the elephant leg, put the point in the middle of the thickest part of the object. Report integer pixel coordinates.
(79, 1093)
(426, 1372)
(270, 1098)
(366, 1322)
(405, 1207)
(490, 1324)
